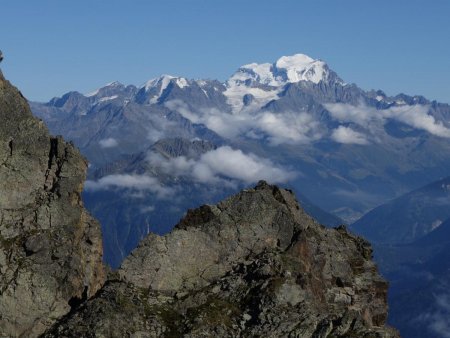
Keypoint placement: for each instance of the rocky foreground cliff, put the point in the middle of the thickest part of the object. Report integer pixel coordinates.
(252, 265)
(50, 248)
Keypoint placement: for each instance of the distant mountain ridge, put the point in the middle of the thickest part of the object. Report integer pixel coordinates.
(408, 217)
(412, 236)
(253, 264)
(345, 149)
(293, 121)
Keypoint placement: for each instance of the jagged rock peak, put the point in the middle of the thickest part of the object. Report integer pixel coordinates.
(50, 247)
(254, 264)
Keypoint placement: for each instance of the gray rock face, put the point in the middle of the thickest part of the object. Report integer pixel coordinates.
(252, 265)
(50, 247)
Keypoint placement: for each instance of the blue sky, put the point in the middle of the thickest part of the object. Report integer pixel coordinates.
(54, 46)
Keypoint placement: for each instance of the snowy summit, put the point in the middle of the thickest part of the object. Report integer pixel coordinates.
(287, 69)
(253, 79)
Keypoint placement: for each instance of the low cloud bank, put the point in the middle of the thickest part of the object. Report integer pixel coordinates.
(133, 182)
(415, 116)
(302, 127)
(348, 136)
(287, 127)
(108, 143)
(223, 165)
(438, 321)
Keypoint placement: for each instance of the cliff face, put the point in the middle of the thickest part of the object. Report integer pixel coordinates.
(253, 265)
(50, 248)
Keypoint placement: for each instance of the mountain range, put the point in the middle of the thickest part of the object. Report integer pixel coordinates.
(254, 264)
(295, 121)
(375, 161)
(409, 217)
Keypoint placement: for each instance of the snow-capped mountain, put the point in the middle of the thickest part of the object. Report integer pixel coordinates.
(347, 149)
(287, 69)
(255, 84)
(295, 103)
(159, 85)
(174, 143)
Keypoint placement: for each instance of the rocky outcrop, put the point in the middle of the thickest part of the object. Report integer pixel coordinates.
(50, 247)
(253, 265)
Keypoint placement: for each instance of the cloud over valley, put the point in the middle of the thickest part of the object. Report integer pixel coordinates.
(223, 166)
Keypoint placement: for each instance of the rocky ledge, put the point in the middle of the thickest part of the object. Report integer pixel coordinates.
(253, 265)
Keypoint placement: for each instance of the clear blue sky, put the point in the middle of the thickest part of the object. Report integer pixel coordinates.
(54, 46)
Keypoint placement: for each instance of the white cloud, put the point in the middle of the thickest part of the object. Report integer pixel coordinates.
(348, 136)
(360, 114)
(418, 117)
(134, 182)
(439, 320)
(223, 165)
(248, 168)
(183, 109)
(108, 143)
(302, 127)
(287, 127)
(159, 126)
(147, 209)
(415, 116)
(224, 124)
